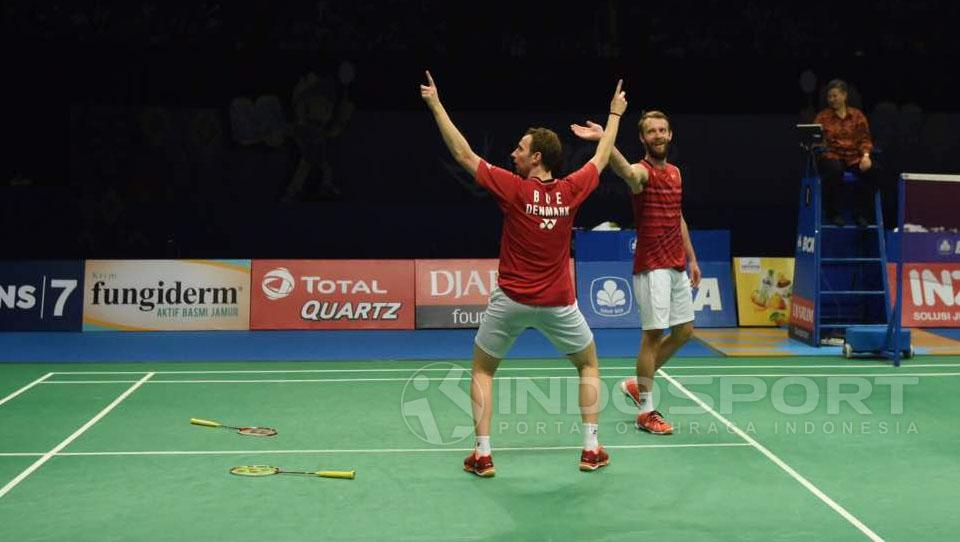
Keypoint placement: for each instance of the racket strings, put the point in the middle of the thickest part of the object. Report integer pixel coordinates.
(258, 431)
(254, 470)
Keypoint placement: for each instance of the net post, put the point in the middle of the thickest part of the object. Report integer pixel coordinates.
(898, 305)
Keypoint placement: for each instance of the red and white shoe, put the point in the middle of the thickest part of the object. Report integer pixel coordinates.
(591, 460)
(631, 389)
(653, 422)
(481, 466)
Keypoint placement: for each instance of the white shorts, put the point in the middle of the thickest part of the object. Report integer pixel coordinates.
(664, 298)
(505, 319)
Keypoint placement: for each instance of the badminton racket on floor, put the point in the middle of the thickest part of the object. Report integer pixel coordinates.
(251, 431)
(266, 470)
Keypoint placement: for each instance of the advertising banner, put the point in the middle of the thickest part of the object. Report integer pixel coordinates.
(332, 294)
(801, 316)
(931, 294)
(764, 289)
(806, 271)
(606, 246)
(713, 301)
(605, 294)
(939, 247)
(166, 295)
(41, 296)
(606, 297)
(453, 293)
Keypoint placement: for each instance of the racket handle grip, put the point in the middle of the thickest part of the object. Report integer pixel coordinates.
(347, 474)
(205, 423)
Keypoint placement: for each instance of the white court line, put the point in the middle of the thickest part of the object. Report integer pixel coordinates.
(465, 379)
(380, 450)
(91, 382)
(466, 368)
(777, 461)
(66, 442)
(25, 388)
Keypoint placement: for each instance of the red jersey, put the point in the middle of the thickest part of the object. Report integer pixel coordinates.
(656, 210)
(537, 226)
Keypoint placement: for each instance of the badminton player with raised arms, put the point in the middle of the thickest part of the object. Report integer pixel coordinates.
(535, 288)
(663, 253)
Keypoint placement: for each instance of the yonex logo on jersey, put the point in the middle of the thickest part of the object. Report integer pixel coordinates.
(548, 223)
(611, 296)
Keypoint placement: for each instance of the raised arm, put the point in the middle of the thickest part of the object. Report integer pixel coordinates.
(634, 175)
(456, 143)
(691, 255)
(617, 106)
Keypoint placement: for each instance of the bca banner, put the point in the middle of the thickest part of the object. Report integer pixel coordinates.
(931, 294)
(41, 296)
(166, 295)
(332, 294)
(453, 293)
(764, 290)
(605, 294)
(607, 300)
(713, 301)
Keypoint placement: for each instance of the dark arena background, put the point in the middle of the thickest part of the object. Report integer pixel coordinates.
(171, 129)
(243, 211)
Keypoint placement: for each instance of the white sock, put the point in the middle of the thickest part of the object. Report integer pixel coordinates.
(483, 446)
(590, 436)
(646, 401)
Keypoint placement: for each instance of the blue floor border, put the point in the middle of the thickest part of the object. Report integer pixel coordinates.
(186, 346)
(951, 333)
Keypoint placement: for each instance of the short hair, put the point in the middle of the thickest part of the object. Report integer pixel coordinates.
(547, 143)
(652, 115)
(838, 84)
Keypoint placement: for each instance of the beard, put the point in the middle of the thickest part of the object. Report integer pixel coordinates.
(657, 151)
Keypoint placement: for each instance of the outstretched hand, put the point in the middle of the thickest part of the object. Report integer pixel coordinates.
(429, 91)
(591, 132)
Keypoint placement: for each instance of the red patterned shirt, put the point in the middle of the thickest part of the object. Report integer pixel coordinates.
(537, 227)
(847, 138)
(656, 210)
